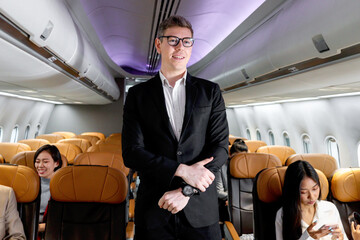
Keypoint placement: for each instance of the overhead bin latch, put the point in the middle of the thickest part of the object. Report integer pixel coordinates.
(47, 31)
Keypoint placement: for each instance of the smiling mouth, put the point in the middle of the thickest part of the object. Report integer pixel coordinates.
(178, 57)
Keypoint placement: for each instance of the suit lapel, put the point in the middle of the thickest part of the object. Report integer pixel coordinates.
(191, 95)
(159, 100)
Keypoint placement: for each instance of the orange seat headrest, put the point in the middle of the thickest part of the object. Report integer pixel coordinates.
(24, 181)
(247, 165)
(89, 184)
(271, 180)
(345, 185)
(111, 159)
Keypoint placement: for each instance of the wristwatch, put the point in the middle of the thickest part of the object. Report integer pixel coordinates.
(188, 190)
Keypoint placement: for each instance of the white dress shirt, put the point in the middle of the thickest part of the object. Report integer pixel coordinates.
(326, 214)
(175, 98)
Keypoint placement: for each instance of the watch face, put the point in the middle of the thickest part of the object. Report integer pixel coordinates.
(188, 191)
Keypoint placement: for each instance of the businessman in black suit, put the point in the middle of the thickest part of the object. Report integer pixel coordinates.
(175, 134)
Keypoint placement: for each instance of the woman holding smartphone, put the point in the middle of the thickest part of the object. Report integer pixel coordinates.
(303, 215)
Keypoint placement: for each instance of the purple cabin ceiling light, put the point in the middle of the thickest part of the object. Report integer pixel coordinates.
(124, 26)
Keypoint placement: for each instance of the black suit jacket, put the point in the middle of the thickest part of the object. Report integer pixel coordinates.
(150, 147)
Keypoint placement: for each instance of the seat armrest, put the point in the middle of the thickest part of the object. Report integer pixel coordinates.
(230, 232)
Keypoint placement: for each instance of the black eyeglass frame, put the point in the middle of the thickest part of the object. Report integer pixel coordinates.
(178, 40)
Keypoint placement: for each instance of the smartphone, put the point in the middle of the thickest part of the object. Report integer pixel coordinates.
(354, 217)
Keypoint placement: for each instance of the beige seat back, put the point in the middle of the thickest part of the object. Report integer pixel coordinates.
(69, 150)
(82, 143)
(282, 152)
(324, 162)
(52, 138)
(65, 134)
(243, 169)
(111, 159)
(35, 143)
(93, 139)
(98, 134)
(104, 147)
(8, 150)
(26, 185)
(253, 145)
(345, 189)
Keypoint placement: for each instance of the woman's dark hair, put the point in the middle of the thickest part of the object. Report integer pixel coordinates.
(295, 173)
(239, 145)
(53, 151)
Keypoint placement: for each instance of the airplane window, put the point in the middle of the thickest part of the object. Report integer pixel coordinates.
(306, 143)
(258, 135)
(14, 134)
(248, 135)
(1, 134)
(37, 131)
(26, 135)
(286, 139)
(272, 138)
(333, 149)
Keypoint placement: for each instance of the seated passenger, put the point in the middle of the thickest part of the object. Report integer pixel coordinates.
(11, 226)
(221, 179)
(303, 215)
(47, 160)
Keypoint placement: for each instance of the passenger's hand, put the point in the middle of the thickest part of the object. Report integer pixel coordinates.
(355, 232)
(317, 234)
(196, 175)
(336, 233)
(174, 201)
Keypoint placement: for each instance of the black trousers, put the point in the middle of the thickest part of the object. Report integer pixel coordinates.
(178, 228)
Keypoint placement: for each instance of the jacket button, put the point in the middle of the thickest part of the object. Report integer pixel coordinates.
(179, 153)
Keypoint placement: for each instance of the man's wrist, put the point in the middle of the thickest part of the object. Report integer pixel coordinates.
(179, 171)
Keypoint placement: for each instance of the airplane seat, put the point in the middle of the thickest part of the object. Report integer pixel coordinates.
(82, 143)
(282, 152)
(93, 139)
(65, 134)
(26, 185)
(254, 144)
(116, 135)
(8, 150)
(345, 189)
(27, 159)
(324, 162)
(105, 147)
(114, 139)
(232, 138)
(243, 168)
(52, 138)
(87, 202)
(267, 199)
(69, 150)
(34, 144)
(98, 134)
(111, 159)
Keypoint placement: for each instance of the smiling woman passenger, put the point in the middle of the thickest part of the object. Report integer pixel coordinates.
(47, 160)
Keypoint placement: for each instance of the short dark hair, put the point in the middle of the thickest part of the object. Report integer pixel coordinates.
(295, 173)
(239, 145)
(53, 151)
(174, 21)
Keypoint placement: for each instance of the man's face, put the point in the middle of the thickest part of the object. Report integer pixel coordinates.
(174, 58)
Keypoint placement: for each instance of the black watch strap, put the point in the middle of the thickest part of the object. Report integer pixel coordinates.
(189, 191)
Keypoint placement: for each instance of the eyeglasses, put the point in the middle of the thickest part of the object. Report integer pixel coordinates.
(174, 41)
